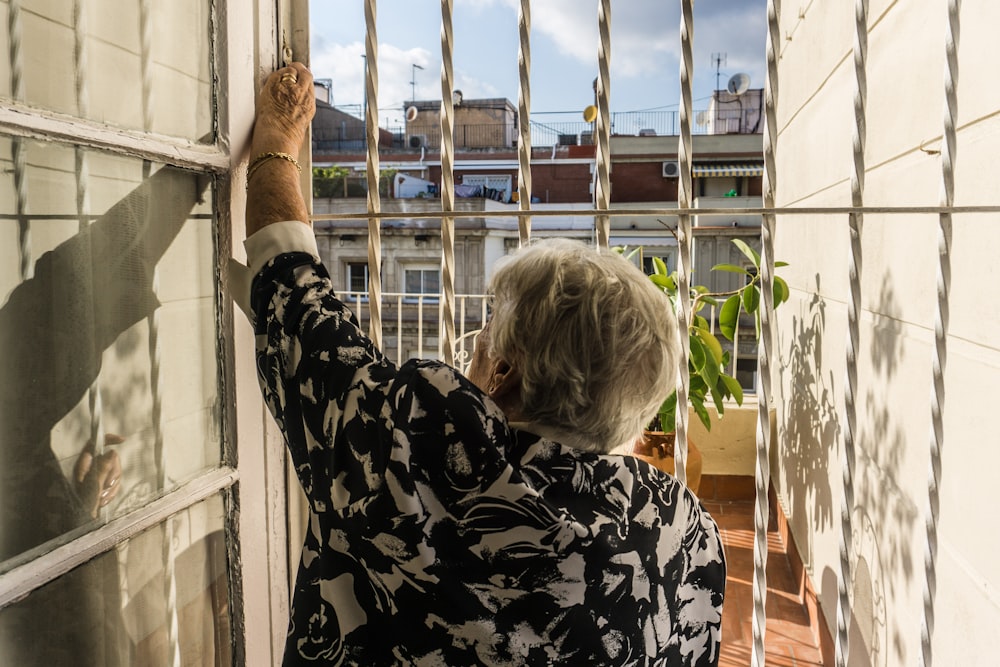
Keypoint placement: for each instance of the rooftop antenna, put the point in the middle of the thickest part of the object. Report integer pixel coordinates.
(719, 60)
(413, 81)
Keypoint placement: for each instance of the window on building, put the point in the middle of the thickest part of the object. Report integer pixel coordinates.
(495, 186)
(422, 280)
(357, 277)
(668, 258)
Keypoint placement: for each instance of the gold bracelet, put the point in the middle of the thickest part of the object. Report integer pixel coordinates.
(256, 163)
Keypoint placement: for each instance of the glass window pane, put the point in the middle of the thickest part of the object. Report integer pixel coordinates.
(432, 282)
(357, 275)
(119, 609)
(134, 64)
(108, 369)
(422, 281)
(412, 281)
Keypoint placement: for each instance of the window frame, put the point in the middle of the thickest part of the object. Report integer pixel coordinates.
(421, 296)
(258, 524)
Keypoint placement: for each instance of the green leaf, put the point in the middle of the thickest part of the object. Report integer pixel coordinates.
(750, 253)
(699, 409)
(668, 413)
(663, 282)
(717, 398)
(712, 343)
(751, 299)
(729, 316)
(778, 265)
(735, 390)
(780, 290)
(659, 266)
(698, 354)
(710, 373)
(731, 268)
(699, 322)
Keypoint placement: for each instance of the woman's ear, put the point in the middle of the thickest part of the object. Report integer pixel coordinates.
(504, 383)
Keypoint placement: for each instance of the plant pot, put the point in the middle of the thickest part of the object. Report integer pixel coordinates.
(657, 449)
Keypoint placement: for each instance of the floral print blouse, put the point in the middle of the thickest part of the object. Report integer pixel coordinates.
(441, 535)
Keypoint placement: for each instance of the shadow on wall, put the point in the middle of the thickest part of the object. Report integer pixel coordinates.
(811, 426)
(884, 516)
(880, 456)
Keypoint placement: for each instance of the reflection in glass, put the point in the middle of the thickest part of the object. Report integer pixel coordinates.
(137, 64)
(108, 345)
(134, 605)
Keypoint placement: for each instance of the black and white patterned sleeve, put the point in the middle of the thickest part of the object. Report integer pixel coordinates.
(313, 364)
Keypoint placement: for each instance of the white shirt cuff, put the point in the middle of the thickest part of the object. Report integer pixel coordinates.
(261, 247)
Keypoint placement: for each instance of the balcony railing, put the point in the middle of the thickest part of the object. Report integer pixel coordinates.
(411, 323)
(411, 327)
(547, 129)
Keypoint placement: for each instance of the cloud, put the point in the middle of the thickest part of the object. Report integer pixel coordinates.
(644, 57)
(344, 66)
(645, 34)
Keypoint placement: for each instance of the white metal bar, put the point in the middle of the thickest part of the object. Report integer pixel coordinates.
(446, 341)
(939, 361)
(399, 329)
(602, 186)
(524, 122)
(684, 266)
(855, 225)
(374, 198)
(762, 470)
(801, 211)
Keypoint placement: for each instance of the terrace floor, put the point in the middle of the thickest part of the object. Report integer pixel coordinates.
(792, 633)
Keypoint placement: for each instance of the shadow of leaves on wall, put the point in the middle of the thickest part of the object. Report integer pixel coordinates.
(881, 456)
(810, 429)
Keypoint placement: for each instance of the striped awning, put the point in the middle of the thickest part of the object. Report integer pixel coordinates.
(718, 170)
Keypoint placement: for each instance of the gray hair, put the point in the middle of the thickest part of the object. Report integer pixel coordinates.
(594, 339)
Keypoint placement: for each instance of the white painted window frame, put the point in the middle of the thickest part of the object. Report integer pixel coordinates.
(252, 475)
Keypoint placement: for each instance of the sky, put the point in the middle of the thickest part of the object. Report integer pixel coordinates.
(645, 49)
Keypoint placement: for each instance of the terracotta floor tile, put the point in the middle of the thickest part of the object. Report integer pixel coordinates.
(788, 639)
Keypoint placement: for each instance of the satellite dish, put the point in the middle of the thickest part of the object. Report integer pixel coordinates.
(738, 83)
(590, 114)
(411, 114)
(456, 97)
(701, 119)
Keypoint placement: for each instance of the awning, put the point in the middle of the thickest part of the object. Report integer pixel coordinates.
(718, 170)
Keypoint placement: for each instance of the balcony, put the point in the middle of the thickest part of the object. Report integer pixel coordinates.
(548, 129)
(875, 445)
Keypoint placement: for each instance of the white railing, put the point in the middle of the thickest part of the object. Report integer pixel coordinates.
(411, 324)
(417, 316)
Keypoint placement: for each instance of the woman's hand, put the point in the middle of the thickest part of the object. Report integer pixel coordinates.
(97, 477)
(285, 107)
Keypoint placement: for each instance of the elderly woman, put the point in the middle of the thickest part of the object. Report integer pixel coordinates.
(476, 520)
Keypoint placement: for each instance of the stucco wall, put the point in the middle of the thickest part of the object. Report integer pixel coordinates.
(815, 118)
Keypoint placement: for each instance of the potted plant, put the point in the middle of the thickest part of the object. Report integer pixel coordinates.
(709, 381)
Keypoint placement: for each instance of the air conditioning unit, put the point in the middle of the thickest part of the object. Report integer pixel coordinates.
(418, 140)
(671, 169)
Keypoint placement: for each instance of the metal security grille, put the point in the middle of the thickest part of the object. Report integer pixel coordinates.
(770, 212)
